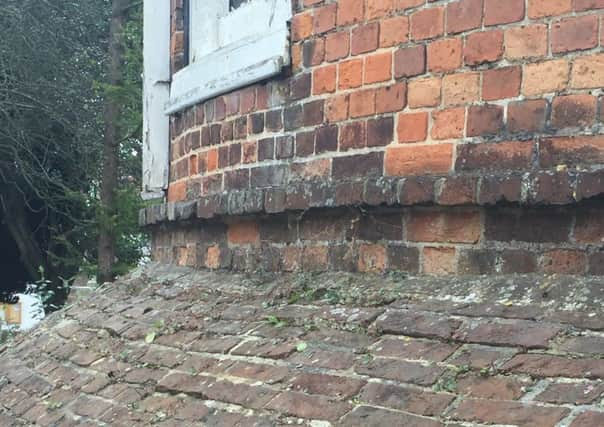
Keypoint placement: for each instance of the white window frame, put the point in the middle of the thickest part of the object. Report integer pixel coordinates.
(231, 49)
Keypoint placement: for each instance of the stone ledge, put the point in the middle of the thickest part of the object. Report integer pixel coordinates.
(560, 187)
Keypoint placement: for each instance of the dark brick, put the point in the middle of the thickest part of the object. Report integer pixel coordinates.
(227, 131)
(305, 143)
(380, 191)
(349, 193)
(381, 226)
(284, 147)
(301, 86)
(362, 165)
(403, 258)
(416, 190)
(326, 139)
(480, 261)
(484, 120)
(380, 131)
(527, 116)
(457, 190)
(343, 258)
(240, 128)
(515, 155)
(293, 117)
(256, 123)
(234, 154)
(279, 229)
(313, 113)
(266, 149)
(215, 133)
(552, 188)
(496, 189)
(353, 135)
(274, 120)
(274, 200)
(518, 261)
(269, 176)
(237, 179)
(539, 226)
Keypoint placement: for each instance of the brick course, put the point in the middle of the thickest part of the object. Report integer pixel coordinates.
(458, 103)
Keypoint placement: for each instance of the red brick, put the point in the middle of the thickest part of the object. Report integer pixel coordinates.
(514, 155)
(408, 4)
(324, 79)
(444, 55)
(575, 34)
(362, 103)
(378, 67)
(308, 406)
(573, 111)
(503, 12)
(372, 258)
(496, 388)
(448, 124)
(302, 25)
(526, 42)
(501, 83)
(350, 74)
(527, 116)
(504, 412)
(589, 418)
(337, 45)
(486, 46)
(324, 18)
(427, 23)
(364, 38)
(350, 11)
(243, 233)
(405, 399)
(378, 8)
(394, 31)
(461, 89)
(484, 120)
(444, 227)
(546, 365)
(412, 127)
(391, 98)
(571, 151)
(564, 262)
(545, 77)
(588, 72)
(464, 15)
(339, 387)
(177, 191)
(419, 160)
(439, 261)
(581, 5)
(541, 8)
(409, 62)
(425, 92)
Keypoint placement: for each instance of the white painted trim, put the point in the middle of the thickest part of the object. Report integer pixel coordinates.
(156, 93)
(227, 69)
(253, 45)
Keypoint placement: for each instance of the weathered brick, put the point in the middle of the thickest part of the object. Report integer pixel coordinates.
(416, 324)
(419, 160)
(414, 349)
(497, 12)
(574, 393)
(427, 23)
(501, 83)
(564, 262)
(362, 165)
(541, 8)
(405, 399)
(307, 406)
(521, 333)
(394, 31)
(496, 388)
(327, 385)
(589, 227)
(502, 412)
(571, 151)
(403, 258)
(412, 127)
(573, 111)
(370, 416)
(484, 120)
(515, 155)
(324, 18)
(527, 116)
(243, 233)
(461, 89)
(464, 15)
(444, 55)
(441, 227)
(380, 131)
(447, 124)
(545, 365)
(353, 135)
(588, 419)
(424, 92)
(439, 261)
(481, 47)
(526, 42)
(528, 226)
(588, 72)
(577, 33)
(364, 38)
(313, 52)
(372, 258)
(399, 370)
(410, 61)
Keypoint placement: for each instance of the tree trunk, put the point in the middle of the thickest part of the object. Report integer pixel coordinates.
(109, 180)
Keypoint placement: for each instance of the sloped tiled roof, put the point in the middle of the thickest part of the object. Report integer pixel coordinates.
(168, 346)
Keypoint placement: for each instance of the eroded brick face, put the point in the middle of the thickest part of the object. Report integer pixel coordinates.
(410, 104)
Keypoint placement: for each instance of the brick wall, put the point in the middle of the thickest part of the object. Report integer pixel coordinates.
(483, 106)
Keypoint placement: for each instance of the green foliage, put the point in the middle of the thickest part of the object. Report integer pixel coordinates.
(53, 61)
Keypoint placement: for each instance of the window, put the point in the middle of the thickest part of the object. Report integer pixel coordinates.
(230, 44)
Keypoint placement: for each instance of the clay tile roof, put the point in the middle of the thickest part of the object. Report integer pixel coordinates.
(168, 346)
